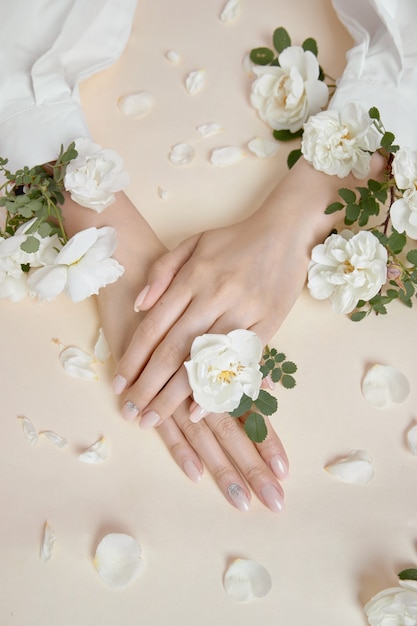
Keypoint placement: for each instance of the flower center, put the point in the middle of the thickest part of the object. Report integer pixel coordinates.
(348, 267)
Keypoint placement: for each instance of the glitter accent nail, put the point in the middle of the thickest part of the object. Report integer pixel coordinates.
(238, 497)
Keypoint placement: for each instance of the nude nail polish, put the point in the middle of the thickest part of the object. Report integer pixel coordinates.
(192, 471)
(140, 298)
(130, 411)
(149, 420)
(238, 497)
(197, 414)
(272, 498)
(119, 384)
(279, 466)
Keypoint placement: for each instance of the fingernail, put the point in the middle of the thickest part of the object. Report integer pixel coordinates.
(130, 411)
(279, 466)
(197, 413)
(119, 384)
(192, 471)
(238, 497)
(272, 498)
(149, 420)
(140, 298)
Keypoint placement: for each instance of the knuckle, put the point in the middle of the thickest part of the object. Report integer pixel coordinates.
(171, 354)
(255, 473)
(193, 431)
(227, 428)
(148, 329)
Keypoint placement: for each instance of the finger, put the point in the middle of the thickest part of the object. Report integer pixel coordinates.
(273, 452)
(181, 451)
(247, 458)
(162, 273)
(224, 472)
(167, 401)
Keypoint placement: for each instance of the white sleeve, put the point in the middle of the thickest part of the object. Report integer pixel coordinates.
(381, 68)
(47, 47)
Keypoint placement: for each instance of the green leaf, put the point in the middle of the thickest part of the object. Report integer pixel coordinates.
(374, 185)
(397, 241)
(261, 56)
(288, 381)
(255, 428)
(374, 113)
(358, 316)
(333, 207)
(387, 140)
(244, 406)
(347, 195)
(279, 357)
(408, 574)
(286, 135)
(30, 245)
(45, 229)
(289, 367)
(281, 39)
(293, 157)
(352, 212)
(276, 375)
(392, 294)
(266, 403)
(311, 45)
(412, 257)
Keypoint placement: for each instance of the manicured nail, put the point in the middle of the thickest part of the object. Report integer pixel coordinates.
(272, 498)
(119, 384)
(141, 297)
(279, 466)
(197, 413)
(192, 471)
(130, 411)
(238, 497)
(149, 420)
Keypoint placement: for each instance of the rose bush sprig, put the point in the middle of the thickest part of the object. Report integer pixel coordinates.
(225, 373)
(36, 256)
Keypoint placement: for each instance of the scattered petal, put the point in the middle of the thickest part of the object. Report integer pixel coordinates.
(54, 438)
(194, 82)
(101, 349)
(136, 104)
(118, 560)
(29, 430)
(245, 580)
(162, 193)
(263, 148)
(173, 57)
(230, 10)
(355, 468)
(384, 384)
(78, 363)
(181, 154)
(229, 155)
(96, 453)
(207, 130)
(47, 543)
(412, 440)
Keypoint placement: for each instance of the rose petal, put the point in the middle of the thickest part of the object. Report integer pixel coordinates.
(229, 155)
(118, 560)
(47, 543)
(54, 438)
(101, 349)
(173, 57)
(355, 468)
(182, 154)
(29, 430)
(207, 130)
(230, 10)
(162, 193)
(263, 148)
(245, 580)
(136, 104)
(194, 82)
(96, 453)
(78, 363)
(412, 440)
(384, 384)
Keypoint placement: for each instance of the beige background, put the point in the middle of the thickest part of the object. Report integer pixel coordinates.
(335, 545)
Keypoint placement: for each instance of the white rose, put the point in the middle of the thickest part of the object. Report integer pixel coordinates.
(347, 268)
(396, 606)
(341, 143)
(13, 283)
(81, 268)
(287, 95)
(404, 211)
(94, 175)
(224, 367)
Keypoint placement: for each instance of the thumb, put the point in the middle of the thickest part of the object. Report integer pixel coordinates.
(163, 271)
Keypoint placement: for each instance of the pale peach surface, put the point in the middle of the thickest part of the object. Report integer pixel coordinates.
(335, 545)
